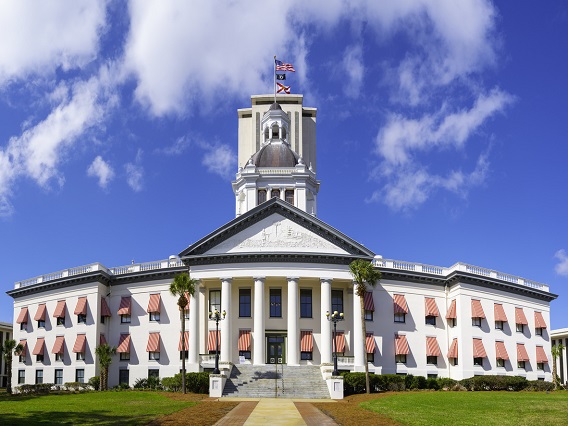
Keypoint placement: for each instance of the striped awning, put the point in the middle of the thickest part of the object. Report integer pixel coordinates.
(80, 343)
(431, 307)
(452, 311)
(102, 340)
(39, 346)
(153, 342)
(453, 352)
(124, 344)
(541, 355)
(186, 338)
(520, 317)
(476, 309)
(400, 306)
(244, 340)
(306, 341)
(369, 302)
(501, 350)
(59, 310)
(499, 312)
(59, 345)
(370, 343)
(40, 314)
(539, 320)
(401, 345)
(23, 317)
(105, 310)
(479, 349)
(154, 304)
(432, 347)
(522, 354)
(340, 341)
(81, 308)
(124, 308)
(212, 342)
(24, 344)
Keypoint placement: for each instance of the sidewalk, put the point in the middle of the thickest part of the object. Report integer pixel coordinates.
(275, 411)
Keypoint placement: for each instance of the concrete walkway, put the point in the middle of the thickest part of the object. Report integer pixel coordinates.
(275, 411)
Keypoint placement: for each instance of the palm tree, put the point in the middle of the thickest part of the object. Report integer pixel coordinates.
(556, 352)
(364, 273)
(105, 353)
(180, 287)
(9, 348)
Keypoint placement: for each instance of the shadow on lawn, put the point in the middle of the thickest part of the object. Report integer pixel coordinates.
(72, 418)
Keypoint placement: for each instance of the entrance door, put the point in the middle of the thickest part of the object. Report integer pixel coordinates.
(276, 350)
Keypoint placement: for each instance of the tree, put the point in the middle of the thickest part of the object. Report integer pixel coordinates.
(181, 286)
(8, 349)
(556, 352)
(364, 273)
(104, 353)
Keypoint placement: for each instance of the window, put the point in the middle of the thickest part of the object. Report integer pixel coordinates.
(22, 358)
(246, 354)
(476, 322)
(275, 193)
(431, 320)
(23, 326)
(21, 377)
(59, 376)
(401, 358)
(154, 316)
(41, 324)
(102, 319)
(399, 317)
(261, 196)
(81, 319)
(521, 364)
(540, 365)
(432, 360)
(306, 356)
(371, 357)
(478, 361)
(538, 331)
(452, 322)
(39, 377)
(306, 303)
(125, 356)
(500, 362)
(80, 356)
(153, 372)
(289, 196)
(123, 377)
(498, 325)
(60, 320)
(215, 300)
(337, 301)
(520, 328)
(186, 354)
(275, 303)
(453, 361)
(369, 315)
(58, 357)
(125, 319)
(80, 375)
(154, 356)
(39, 358)
(244, 302)
(432, 376)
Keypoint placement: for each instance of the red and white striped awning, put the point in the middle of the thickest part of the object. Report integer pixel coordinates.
(452, 311)
(153, 342)
(102, 340)
(499, 312)
(340, 341)
(479, 349)
(154, 304)
(39, 346)
(40, 314)
(186, 338)
(431, 307)
(541, 355)
(123, 344)
(501, 350)
(59, 310)
(400, 306)
(369, 303)
(81, 308)
(370, 343)
(401, 345)
(522, 354)
(80, 343)
(212, 342)
(539, 320)
(520, 317)
(23, 316)
(432, 347)
(453, 352)
(306, 341)
(105, 310)
(476, 309)
(124, 308)
(24, 344)
(244, 340)
(59, 345)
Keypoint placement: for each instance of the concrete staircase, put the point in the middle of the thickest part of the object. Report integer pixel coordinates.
(271, 381)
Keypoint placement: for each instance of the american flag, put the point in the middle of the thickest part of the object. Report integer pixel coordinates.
(282, 88)
(281, 66)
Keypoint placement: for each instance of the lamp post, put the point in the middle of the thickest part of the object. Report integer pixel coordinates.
(217, 316)
(335, 318)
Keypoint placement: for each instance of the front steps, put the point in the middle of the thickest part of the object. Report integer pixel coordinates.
(275, 381)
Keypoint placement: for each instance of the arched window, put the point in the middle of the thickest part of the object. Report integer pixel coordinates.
(275, 193)
(289, 196)
(261, 196)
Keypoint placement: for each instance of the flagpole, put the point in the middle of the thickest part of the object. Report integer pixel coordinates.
(274, 86)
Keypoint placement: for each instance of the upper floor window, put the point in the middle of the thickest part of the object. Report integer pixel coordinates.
(275, 302)
(431, 320)
(500, 362)
(261, 196)
(478, 361)
(23, 326)
(275, 193)
(498, 325)
(399, 317)
(520, 328)
(41, 324)
(215, 300)
(452, 322)
(244, 302)
(337, 301)
(154, 316)
(538, 331)
(476, 322)
(60, 320)
(81, 319)
(289, 196)
(430, 359)
(305, 303)
(520, 364)
(125, 319)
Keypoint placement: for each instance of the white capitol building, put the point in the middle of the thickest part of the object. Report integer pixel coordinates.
(276, 269)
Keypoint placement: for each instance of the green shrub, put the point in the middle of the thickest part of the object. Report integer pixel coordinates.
(141, 383)
(419, 382)
(539, 385)
(40, 389)
(94, 382)
(446, 383)
(76, 386)
(389, 382)
(408, 381)
(432, 384)
(353, 383)
(172, 384)
(492, 383)
(194, 382)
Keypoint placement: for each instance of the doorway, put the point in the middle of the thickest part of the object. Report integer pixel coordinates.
(276, 349)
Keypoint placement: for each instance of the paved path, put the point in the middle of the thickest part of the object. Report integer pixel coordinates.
(275, 411)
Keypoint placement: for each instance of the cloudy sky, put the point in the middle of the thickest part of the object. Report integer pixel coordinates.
(442, 127)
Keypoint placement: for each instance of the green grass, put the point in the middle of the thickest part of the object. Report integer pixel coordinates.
(90, 408)
(474, 408)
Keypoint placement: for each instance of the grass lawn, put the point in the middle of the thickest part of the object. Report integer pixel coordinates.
(473, 408)
(90, 408)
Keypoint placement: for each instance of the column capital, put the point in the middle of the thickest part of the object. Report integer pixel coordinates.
(293, 278)
(259, 278)
(226, 279)
(326, 280)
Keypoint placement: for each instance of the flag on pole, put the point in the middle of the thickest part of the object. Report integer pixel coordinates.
(280, 76)
(282, 88)
(281, 66)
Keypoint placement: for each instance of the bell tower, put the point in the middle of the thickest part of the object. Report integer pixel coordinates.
(277, 154)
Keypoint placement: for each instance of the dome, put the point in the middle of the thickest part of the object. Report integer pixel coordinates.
(275, 154)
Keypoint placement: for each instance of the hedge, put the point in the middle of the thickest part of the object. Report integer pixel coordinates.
(194, 382)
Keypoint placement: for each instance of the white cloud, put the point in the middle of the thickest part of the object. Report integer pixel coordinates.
(221, 160)
(101, 170)
(354, 70)
(561, 267)
(179, 146)
(135, 173)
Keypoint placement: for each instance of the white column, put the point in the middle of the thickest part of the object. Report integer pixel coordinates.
(226, 347)
(325, 323)
(359, 362)
(193, 328)
(293, 331)
(258, 324)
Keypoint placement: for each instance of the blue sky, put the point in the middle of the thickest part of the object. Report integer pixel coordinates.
(441, 127)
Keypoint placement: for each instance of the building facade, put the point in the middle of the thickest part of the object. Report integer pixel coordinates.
(560, 337)
(276, 270)
(5, 334)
